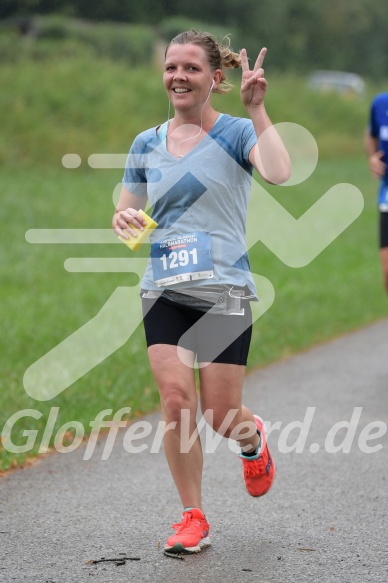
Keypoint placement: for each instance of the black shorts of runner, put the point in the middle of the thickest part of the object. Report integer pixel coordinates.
(383, 229)
(212, 337)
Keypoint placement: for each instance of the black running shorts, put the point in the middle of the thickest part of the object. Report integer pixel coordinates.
(383, 229)
(212, 337)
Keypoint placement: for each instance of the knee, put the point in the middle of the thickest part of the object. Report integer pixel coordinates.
(174, 399)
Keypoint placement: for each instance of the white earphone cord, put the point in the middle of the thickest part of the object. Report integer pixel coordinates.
(192, 137)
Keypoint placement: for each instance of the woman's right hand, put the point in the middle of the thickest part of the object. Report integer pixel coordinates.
(123, 220)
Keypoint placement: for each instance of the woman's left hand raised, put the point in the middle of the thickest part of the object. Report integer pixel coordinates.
(253, 83)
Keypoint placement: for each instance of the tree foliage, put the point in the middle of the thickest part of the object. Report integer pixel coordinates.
(300, 35)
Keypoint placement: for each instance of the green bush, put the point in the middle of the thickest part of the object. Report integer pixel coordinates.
(170, 27)
(9, 44)
(52, 26)
(61, 36)
(132, 43)
(14, 49)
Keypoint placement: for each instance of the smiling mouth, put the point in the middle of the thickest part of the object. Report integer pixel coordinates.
(181, 90)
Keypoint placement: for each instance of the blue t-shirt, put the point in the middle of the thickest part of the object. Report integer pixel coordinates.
(204, 192)
(378, 127)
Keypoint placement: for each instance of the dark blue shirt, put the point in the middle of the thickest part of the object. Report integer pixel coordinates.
(378, 125)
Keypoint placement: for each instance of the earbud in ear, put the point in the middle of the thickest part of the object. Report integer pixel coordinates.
(212, 85)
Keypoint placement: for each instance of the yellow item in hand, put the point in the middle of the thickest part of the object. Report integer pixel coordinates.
(135, 242)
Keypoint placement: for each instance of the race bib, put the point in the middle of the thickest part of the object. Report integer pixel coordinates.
(182, 258)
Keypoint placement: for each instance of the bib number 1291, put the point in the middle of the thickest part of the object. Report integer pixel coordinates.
(182, 257)
(179, 258)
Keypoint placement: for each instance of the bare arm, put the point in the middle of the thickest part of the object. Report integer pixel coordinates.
(376, 166)
(126, 213)
(269, 156)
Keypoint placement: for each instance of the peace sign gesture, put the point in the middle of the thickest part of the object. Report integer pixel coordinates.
(253, 83)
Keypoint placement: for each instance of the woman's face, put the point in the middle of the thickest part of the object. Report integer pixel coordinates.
(187, 76)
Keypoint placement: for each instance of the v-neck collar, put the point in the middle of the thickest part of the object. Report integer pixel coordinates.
(180, 159)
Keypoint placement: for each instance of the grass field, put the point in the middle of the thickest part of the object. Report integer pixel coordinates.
(43, 303)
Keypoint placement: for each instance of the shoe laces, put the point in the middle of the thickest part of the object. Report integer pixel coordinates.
(188, 524)
(254, 467)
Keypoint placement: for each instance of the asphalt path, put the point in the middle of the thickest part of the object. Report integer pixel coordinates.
(324, 520)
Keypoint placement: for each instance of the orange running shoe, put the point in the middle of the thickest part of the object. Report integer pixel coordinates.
(259, 471)
(192, 534)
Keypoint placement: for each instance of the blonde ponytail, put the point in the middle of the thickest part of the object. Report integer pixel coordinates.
(229, 60)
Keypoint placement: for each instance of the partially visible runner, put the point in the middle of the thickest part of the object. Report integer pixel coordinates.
(376, 144)
(195, 170)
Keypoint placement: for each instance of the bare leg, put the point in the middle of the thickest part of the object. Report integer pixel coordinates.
(384, 266)
(176, 383)
(221, 392)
